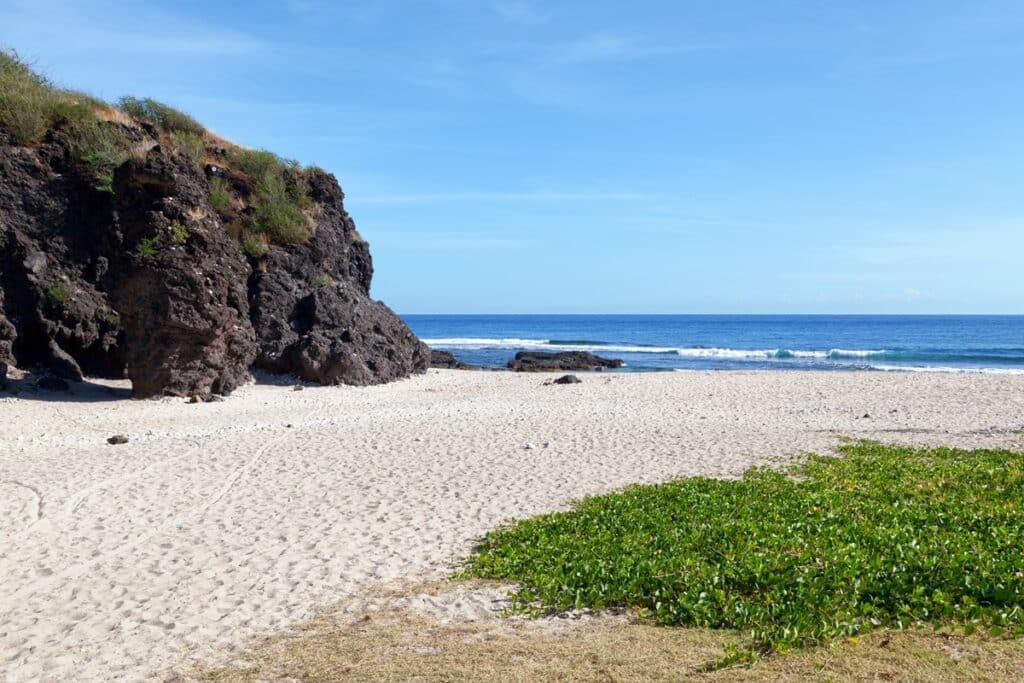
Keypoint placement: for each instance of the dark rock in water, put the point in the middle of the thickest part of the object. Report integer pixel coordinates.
(117, 440)
(138, 276)
(539, 361)
(445, 360)
(568, 379)
(51, 383)
(3, 375)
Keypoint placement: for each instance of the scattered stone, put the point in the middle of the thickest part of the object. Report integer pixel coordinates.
(298, 387)
(117, 440)
(214, 398)
(195, 399)
(51, 383)
(568, 379)
(540, 361)
(866, 416)
(288, 426)
(527, 446)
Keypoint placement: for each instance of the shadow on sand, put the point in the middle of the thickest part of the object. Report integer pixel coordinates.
(43, 388)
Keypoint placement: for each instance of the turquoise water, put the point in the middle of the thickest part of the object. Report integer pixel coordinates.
(679, 342)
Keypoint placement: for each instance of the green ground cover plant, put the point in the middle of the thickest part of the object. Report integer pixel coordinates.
(885, 536)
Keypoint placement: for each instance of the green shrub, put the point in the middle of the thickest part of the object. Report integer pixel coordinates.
(160, 115)
(58, 295)
(179, 234)
(191, 144)
(30, 104)
(282, 192)
(255, 163)
(254, 247)
(885, 536)
(220, 197)
(148, 246)
(322, 281)
(278, 213)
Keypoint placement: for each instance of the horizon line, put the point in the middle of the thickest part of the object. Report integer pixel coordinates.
(848, 315)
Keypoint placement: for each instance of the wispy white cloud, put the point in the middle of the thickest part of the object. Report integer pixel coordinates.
(614, 47)
(142, 32)
(519, 11)
(499, 197)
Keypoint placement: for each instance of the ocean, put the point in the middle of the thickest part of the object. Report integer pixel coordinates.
(993, 344)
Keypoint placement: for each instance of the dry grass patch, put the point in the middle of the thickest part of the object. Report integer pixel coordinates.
(401, 644)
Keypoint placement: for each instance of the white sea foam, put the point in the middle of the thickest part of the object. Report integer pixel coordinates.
(855, 353)
(485, 342)
(480, 343)
(940, 368)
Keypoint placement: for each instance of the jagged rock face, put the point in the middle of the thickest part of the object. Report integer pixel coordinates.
(180, 283)
(52, 236)
(145, 282)
(312, 311)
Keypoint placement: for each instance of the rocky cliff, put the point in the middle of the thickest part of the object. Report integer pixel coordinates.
(136, 244)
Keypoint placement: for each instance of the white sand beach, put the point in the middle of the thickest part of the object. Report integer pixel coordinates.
(221, 522)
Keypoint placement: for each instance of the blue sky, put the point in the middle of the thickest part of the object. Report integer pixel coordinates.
(660, 157)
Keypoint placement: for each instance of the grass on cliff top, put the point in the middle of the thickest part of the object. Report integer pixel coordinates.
(885, 536)
(30, 105)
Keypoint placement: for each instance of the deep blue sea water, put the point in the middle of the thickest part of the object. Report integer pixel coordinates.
(748, 342)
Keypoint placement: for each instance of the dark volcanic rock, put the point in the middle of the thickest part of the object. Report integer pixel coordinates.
(62, 365)
(54, 228)
(539, 361)
(312, 311)
(117, 440)
(183, 302)
(568, 379)
(146, 282)
(445, 360)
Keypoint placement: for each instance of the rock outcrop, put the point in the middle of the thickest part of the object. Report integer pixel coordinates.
(445, 360)
(311, 307)
(540, 361)
(183, 299)
(143, 278)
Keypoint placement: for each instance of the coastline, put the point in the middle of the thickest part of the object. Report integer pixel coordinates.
(225, 521)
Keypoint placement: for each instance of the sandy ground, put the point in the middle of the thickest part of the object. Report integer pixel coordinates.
(223, 521)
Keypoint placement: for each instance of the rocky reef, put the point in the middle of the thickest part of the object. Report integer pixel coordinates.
(541, 361)
(135, 244)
